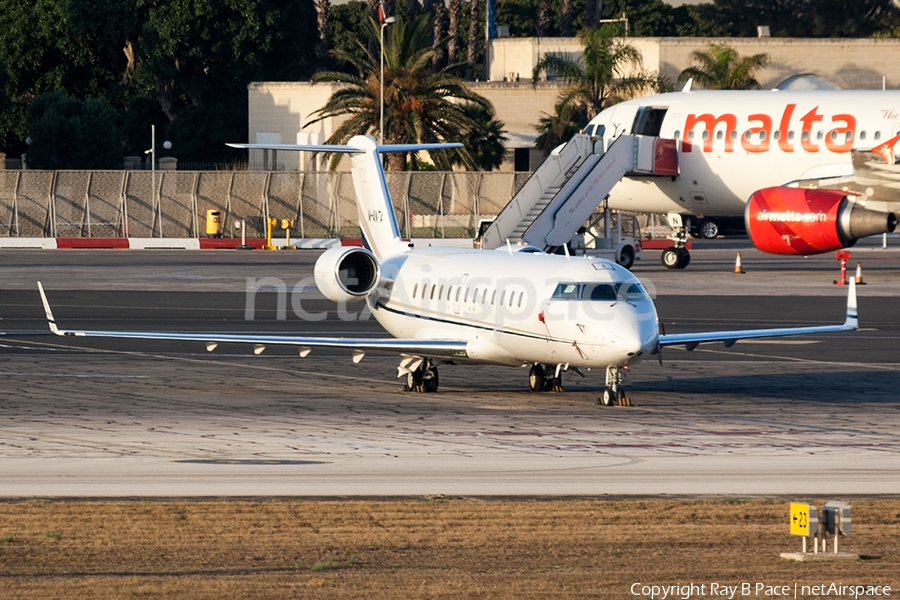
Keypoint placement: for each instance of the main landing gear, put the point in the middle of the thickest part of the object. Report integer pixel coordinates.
(677, 256)
(422, 378)
(613, 394)
(545, 378)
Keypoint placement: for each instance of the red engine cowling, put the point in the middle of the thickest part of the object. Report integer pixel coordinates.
(783, 220)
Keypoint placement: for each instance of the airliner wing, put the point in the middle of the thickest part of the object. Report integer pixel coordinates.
(692, 340)
(358, 346)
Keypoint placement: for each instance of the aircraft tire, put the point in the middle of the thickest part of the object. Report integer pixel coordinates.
(536, 378)
(684, 258)
(606, 398)
(626, 257)
(670, 258)
(430, 384)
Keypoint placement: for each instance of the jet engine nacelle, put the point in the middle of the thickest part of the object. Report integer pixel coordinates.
(786, 220)
(346, 273)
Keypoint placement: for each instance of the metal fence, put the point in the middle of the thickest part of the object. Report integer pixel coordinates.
(173, 204)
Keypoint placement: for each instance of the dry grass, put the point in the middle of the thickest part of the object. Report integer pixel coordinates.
(429, 548)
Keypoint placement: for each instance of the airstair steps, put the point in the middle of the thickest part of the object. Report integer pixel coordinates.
(563, 192)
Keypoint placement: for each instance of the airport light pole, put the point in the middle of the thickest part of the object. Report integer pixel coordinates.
(386, 22)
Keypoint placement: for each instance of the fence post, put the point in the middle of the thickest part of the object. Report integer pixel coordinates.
(87, 205)
(123, 205)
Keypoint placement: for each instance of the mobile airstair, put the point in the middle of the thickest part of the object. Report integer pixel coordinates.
(567, 188)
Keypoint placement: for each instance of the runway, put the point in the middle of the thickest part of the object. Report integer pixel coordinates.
(808, 416)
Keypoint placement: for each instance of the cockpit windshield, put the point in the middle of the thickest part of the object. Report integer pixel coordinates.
(629, 291)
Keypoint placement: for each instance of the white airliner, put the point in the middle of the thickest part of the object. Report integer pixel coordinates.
(782, 159)
(502, 307)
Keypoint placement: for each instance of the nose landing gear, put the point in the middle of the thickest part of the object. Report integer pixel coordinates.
(614, 394)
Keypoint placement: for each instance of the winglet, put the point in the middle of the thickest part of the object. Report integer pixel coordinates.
(852, 321)
(50, 320)
(886, 150)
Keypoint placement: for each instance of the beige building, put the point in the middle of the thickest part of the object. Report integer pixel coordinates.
(281, 112)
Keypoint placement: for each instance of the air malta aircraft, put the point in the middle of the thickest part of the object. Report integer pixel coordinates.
(782, 159)
(513, 306)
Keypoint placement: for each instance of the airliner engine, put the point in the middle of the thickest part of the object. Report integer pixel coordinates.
(786, 220)
(346, 273)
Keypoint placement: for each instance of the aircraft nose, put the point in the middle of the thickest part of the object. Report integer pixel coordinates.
(642, 338)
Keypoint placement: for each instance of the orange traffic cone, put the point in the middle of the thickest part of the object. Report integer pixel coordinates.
(859, 279)
(738, 268)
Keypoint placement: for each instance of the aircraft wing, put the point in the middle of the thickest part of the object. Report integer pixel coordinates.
(692, 340)
(358, 346)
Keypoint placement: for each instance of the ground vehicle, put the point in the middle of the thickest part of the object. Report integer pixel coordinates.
(617, 239)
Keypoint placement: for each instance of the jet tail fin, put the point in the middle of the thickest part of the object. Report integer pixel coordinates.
(381, 233)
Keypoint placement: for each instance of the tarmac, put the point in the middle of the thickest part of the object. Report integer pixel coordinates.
(116, 418)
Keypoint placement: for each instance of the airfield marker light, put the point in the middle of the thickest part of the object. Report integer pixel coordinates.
(287, 224)
(242, 225)
(269, 225)
(842, 256)
(738, 267)
(859, 277)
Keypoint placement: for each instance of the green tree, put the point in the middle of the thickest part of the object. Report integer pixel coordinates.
(720, 67)
(811, 18)
(567, 120)
(607, 72)
(67, 133)
(40, 52)
(421, 104)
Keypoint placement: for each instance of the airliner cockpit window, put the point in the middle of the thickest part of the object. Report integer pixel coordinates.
(633, 291)
(566, 291)
(599, 292)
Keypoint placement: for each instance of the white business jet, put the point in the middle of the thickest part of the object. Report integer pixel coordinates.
(781, 159)
(501, 307)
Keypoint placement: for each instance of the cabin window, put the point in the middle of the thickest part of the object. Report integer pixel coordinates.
(434, 287)
(493, 297)
(733, 134)
(720, 135)
(466, 296)
(458, 292)
(415, 289)
(677, 134)
(862, 135)
(834, 136)
(503, 298)
(877, 135)
(804, 136)
(441, 293)
(791, 134)
(776, 135)
(690, 134)
(521, 297)
(820, 135)
(705, 134)
(848, 136)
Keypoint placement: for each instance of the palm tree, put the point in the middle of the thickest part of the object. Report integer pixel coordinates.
(607, 72)
(559, 127)
(721, 68)
(421, 104)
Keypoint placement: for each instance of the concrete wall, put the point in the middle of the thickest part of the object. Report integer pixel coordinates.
(849, 63)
